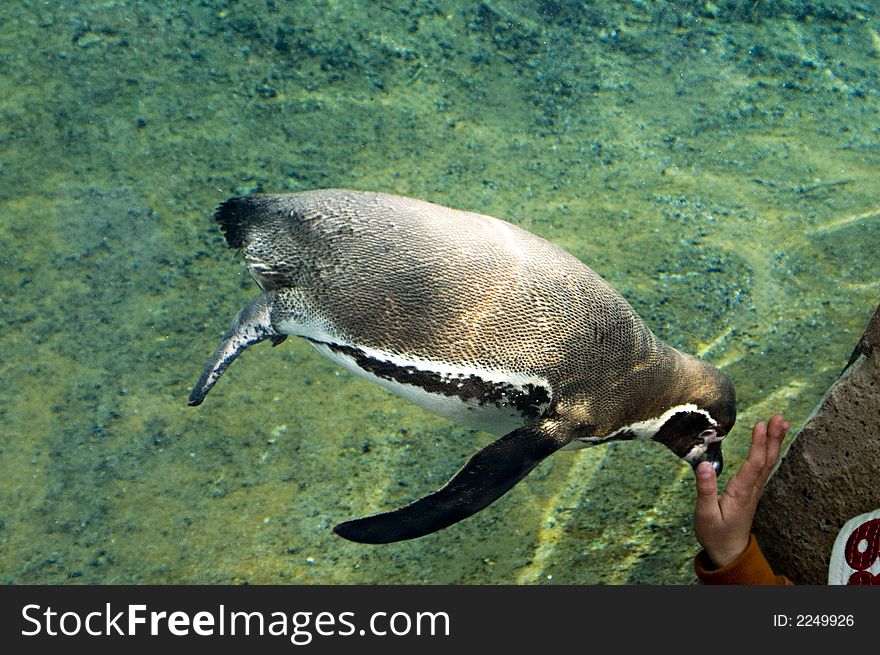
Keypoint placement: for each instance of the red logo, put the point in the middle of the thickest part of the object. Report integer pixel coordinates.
(861, 551)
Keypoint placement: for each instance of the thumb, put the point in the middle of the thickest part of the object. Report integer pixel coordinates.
(707, 489)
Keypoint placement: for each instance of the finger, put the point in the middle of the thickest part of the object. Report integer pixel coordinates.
(777, 427)
(748, 481)
(707, 491)
(758, 450)
(775, 423)
(757, 455)
(776, 432)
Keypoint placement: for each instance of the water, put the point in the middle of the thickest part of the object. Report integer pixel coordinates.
(716, 162)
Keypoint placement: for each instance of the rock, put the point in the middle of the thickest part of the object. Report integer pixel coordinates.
(829, 473)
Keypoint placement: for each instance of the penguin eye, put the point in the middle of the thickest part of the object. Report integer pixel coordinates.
(707, 434)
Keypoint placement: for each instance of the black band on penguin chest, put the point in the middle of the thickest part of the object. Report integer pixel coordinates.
(529, 400)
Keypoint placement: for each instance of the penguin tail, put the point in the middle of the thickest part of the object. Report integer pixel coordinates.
(237, 216)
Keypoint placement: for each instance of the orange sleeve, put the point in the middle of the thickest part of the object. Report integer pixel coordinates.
(750, 568)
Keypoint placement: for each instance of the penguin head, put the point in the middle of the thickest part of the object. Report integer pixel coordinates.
(694, 430)
(694, 435)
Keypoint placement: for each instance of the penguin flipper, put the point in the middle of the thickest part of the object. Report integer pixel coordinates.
(487, 475)
(251, 325)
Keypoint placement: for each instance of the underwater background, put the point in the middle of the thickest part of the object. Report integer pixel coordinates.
(717, 162)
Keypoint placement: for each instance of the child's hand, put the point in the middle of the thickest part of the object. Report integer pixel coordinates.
(722, 524)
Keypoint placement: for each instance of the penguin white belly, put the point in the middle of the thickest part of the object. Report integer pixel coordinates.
(493, 401)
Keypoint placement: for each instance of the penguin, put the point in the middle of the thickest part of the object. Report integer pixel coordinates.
(474, 319)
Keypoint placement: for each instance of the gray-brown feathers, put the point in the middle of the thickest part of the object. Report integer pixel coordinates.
(404, 275)
(476, 320)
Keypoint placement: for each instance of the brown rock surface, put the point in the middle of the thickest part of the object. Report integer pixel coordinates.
(830, 473)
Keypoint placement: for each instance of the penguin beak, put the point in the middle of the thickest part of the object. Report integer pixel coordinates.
(713, 455)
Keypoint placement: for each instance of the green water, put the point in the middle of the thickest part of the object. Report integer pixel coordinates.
(718, 163)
